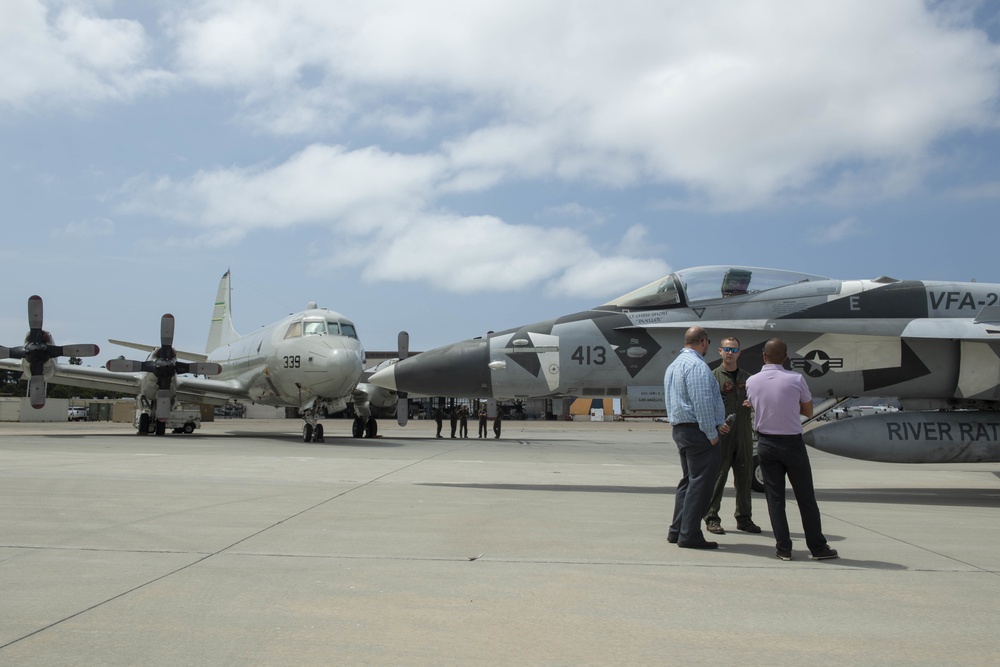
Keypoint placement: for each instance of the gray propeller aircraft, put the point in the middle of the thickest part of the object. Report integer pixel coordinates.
(158, 379)
(935, 346)
(311, 360)
(39, 352)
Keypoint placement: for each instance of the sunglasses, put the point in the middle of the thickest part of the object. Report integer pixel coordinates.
(734, 350)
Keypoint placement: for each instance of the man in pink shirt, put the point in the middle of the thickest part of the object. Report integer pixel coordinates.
(778, 397)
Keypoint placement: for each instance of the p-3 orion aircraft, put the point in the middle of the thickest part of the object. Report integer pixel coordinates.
(311, 360)
(935, 346)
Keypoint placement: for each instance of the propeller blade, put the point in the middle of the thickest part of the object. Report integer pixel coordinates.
(403, 345)
(166, 333)
(402, 402)
(199, 368)
(163, 404)
(402, 410)
(36, 391)
(84, 350)
(35, 312)
(123, 366)
(9, 353)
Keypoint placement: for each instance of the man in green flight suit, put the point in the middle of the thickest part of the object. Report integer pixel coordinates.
(737, 445)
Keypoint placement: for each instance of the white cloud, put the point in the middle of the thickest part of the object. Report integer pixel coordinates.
(743, 103)
(732, 107)
(484, 254)
(319, 184)
(54, 57)
(379, 207)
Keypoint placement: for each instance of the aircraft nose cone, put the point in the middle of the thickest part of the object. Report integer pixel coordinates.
(340, 370)
(460, 370)
(385, 378)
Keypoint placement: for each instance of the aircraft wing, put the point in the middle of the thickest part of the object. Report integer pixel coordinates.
(84, 376)
(181, 354)
(189, 389)
(973, 330)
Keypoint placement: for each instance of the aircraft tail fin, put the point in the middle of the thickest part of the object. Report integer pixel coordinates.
(221, 332)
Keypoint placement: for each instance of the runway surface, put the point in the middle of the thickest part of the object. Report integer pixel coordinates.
(241, 544)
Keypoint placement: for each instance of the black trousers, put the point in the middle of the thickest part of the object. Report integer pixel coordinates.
(699, 468)
(782, 455)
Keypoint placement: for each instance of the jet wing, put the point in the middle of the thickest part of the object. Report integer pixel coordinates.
(950, 328)
(189, 389)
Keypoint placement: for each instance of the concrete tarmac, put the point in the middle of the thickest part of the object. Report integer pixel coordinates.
(240, 544)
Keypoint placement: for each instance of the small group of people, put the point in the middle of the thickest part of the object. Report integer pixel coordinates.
(710, 412)
(459, 417)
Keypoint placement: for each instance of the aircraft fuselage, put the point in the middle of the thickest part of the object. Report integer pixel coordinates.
(282, 367)
(848, 338)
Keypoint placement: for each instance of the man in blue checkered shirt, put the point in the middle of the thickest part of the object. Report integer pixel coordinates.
(698, 416)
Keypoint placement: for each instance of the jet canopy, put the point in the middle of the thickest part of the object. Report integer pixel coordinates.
(707, 282)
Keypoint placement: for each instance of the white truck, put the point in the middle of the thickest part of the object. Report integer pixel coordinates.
(182, 420)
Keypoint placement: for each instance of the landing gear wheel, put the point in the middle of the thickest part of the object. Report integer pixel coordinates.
(161, 427)
(371, 428)
(143, 424)
(307, 432)
(757, 481)
(358, 428)
(318, 433)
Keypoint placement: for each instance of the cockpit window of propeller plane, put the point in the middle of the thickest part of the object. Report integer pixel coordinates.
(705, 283)
(314, 327)
(318, 327)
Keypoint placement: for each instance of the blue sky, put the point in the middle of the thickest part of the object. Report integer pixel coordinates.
(450, 168)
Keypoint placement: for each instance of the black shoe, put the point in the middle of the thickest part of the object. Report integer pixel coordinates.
(784, 555)
(715, 528)
(704, 544)
(748, 527)
(671, 538)
(826, 553)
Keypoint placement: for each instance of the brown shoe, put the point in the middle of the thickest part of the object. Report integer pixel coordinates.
(715, 528)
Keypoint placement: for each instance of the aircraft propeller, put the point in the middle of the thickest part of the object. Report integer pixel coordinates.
(402, 402)
(38, 352)
(163, 364)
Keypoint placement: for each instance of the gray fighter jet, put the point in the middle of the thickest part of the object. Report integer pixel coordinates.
(933, 345)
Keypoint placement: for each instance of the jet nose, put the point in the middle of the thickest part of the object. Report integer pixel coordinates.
(459, 370)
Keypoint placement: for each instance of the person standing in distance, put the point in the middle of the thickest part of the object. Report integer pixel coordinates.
(737, 445)
(482, 421)
(778, 397)
(695, 410)
(438, 419)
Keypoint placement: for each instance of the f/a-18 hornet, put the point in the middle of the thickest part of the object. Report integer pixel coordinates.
(935, 346)
(311, 360)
